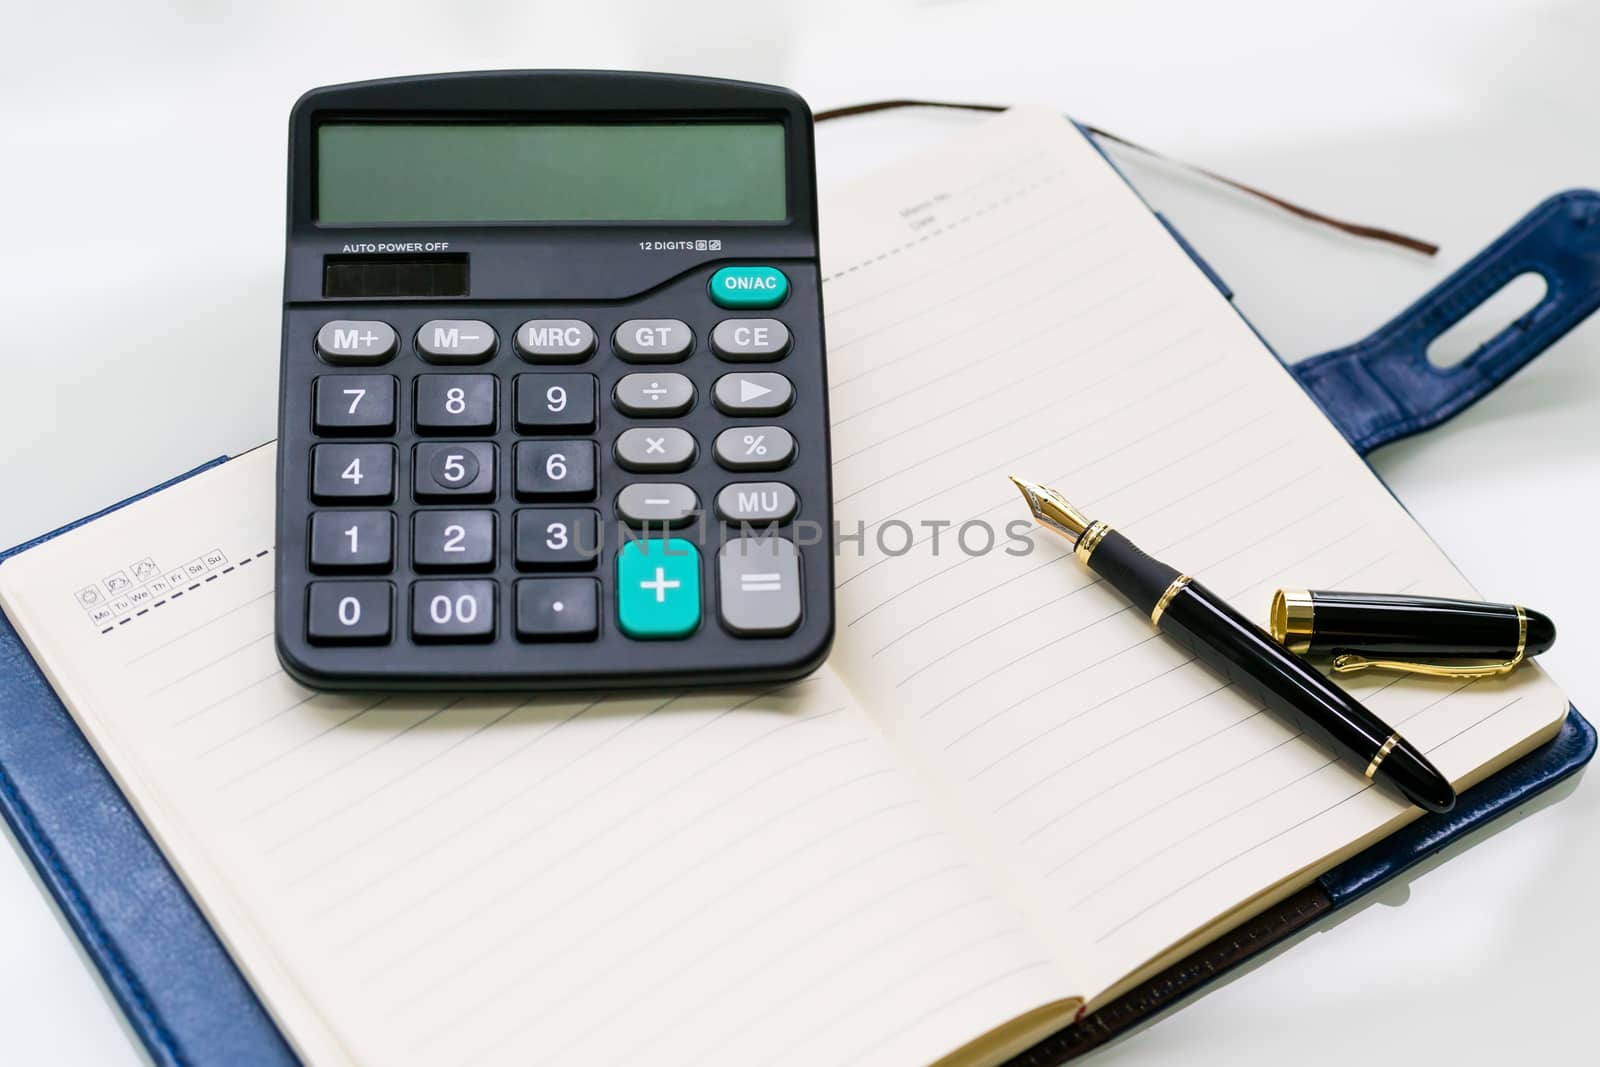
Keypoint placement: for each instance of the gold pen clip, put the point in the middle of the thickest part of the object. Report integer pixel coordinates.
(1350, 663)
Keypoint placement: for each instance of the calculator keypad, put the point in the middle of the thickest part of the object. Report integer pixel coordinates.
(559, 484)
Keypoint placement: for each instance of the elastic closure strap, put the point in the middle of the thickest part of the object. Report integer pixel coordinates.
(1384, 388)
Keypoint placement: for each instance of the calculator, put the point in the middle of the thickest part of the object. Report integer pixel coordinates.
(553, 406)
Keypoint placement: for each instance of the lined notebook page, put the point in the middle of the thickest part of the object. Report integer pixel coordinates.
(1006, 304)
(678, 878)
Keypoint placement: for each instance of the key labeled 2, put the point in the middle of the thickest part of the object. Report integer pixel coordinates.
(452, 540)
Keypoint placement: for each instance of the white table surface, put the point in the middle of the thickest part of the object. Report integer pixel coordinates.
(143, 179)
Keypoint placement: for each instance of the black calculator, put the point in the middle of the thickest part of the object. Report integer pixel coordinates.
(553, 409)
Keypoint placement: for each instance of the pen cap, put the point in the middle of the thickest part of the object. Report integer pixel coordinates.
(1327, 622)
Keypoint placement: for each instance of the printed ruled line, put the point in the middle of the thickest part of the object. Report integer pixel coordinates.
(338, 768)
(1315, 815)
(813, 1032)
(197, 628)
(207, 666)
(926, 236)
(368, 838)
(1235, 858)
(1027, 307)
(943, 659)
(996, 472)
(251, 772)
(396, 869)
(875, 299)
(1029, 301)
(1061, 680)
(1052, 367)
(1195, 833)
(510, 940)
(705, 1053)
(499, 849)
(1190, 835)
(969, 558)
(274, 673)
(1050, 408)
(253, 727)
(733, 937)
(1057, 770)
(1161, 805)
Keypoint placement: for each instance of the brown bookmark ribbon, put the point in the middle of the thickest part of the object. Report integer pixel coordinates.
(1355, 229)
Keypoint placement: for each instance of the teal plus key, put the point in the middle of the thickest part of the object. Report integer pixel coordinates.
(658, 588)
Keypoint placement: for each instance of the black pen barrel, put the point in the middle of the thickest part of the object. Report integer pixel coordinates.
(1399, 625)
(1251, 660)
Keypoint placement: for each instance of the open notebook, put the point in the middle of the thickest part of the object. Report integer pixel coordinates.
(1003, 800)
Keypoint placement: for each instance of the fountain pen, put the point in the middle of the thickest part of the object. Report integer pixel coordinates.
(1245, 654)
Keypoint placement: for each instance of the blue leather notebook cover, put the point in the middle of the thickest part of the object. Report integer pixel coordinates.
(189, 1004)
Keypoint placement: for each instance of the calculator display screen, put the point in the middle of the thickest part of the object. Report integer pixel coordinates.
(378, 172)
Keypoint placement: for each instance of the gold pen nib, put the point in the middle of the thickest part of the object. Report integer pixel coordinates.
(1052, 510)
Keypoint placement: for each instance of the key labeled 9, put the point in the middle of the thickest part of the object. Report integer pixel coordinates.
(555, 403)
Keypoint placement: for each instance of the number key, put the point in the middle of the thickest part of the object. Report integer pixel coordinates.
(555, 403)
(455, 403)
(555, 470)
(354, 404)
(566, 538)
(343, 473)
(452, 611)
(454, 471)
(453, 540)
(349, 613)
(352, 541)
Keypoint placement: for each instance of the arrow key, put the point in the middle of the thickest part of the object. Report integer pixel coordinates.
(755, 393)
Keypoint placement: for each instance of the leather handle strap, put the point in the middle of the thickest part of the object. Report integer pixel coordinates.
(1384, 388)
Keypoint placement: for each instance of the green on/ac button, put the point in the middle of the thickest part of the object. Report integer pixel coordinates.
(749, 287)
